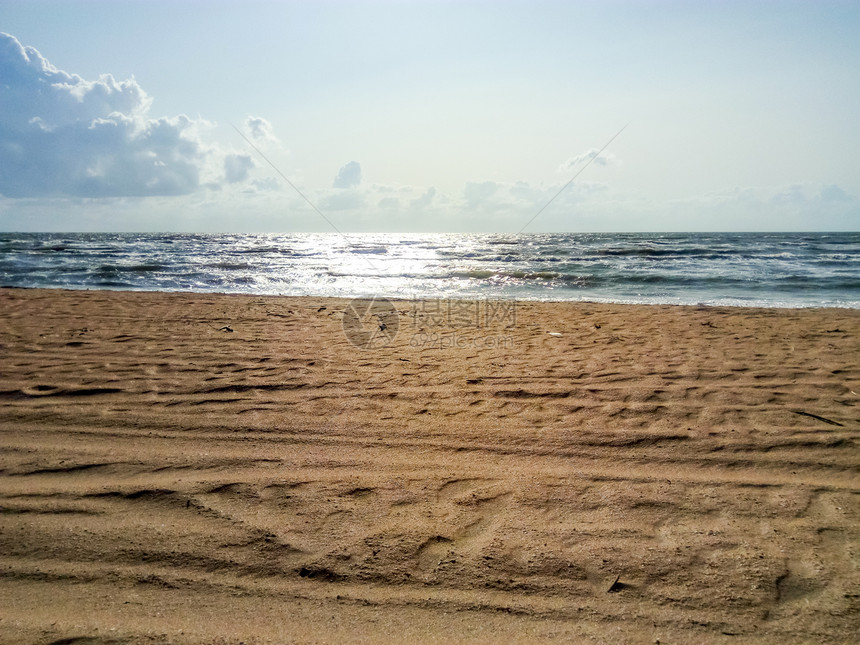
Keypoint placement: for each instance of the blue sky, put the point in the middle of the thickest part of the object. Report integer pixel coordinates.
(429, 116)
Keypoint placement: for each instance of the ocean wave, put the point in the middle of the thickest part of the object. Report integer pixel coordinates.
(659, 253)
(456, 253)
(135, 268)
(837, 283)
(371, 250)
(483, 257)
(491, 274)
(230, 265)
(261, 250)
(477, 274)
(676, 280)
(53, 248)
(781, 269)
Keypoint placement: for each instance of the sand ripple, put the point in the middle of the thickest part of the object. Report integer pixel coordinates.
(682, 474)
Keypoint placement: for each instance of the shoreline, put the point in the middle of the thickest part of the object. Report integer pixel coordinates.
(188, 466)
(718, 269)
(610, 303)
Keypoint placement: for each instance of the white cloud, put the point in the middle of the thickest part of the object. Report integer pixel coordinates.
(349, 176)
(425, 200)
(798, 207)
(61, 135)
(524, 195)
(833, 193)
(237, 167)
(594, 156)
(267, 184)
(476, 192)
(259, 130)
(342, 201)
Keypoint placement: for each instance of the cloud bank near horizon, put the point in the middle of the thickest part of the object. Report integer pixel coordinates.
(62, 135)
(64, 139)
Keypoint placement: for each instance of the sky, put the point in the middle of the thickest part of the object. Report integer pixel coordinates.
(443, 116)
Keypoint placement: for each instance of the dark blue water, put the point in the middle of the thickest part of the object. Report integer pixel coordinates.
(764, 269)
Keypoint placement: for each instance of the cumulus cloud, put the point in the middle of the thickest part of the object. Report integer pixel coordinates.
(267, 184)
(425, 200)
(349, 176)
(259, 130)
(512, 205)
(806, 195)
(601, 159)
(62, 135)
(237, 167)
(343, 200)
(475, 192)
(833, 193)
(796, 207)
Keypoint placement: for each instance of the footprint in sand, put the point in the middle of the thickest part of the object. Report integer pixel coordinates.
(473, 508)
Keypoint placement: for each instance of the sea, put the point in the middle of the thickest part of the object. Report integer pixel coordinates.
(727, 269)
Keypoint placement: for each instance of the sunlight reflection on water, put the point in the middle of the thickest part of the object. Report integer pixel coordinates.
(810, 269)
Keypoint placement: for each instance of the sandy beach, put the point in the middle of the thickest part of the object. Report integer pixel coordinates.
(220, 469)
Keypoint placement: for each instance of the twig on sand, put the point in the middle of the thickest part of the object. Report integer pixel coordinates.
(815, 416)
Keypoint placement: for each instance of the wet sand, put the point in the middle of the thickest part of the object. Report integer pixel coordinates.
(207, 468)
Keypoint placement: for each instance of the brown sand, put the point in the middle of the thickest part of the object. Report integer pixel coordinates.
(650, 474)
